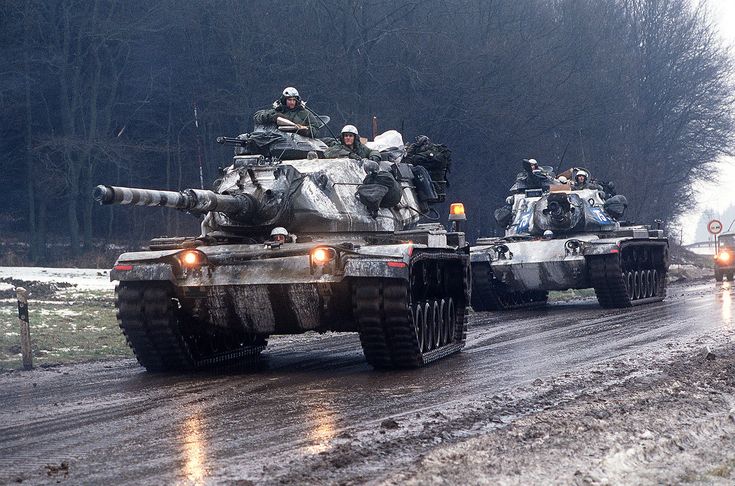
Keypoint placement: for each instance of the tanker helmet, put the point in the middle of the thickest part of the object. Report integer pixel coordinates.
(350, 129)
(581, 173)
(291, 92)
(279, 231)
(530, 164)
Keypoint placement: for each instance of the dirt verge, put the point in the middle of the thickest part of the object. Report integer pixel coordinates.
(670, 423)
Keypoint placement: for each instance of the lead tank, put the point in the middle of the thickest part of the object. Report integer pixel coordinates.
(351, 256)
(559, 238)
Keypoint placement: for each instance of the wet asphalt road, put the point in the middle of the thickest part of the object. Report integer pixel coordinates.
(114, 423)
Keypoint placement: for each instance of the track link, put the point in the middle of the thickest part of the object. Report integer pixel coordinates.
(162, 338)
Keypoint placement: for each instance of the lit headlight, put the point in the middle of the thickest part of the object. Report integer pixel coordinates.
(191, 258)
(723, 257)
(322, 255)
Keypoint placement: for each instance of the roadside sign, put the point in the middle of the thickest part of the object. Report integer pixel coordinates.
(714, 227)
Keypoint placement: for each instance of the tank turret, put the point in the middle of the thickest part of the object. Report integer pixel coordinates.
(259, 191)
(562, 211)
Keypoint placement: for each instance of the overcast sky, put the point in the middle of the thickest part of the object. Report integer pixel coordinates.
(720, 195)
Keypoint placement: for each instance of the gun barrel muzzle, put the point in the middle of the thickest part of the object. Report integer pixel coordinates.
(141, 197)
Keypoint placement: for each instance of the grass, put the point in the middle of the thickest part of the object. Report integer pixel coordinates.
(564, 295)
(72, 327)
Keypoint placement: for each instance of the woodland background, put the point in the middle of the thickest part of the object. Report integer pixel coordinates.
(101, 91)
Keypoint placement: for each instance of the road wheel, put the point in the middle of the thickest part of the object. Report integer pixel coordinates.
(426, 326)
(629, 285)
(419, 324)
(437, 321)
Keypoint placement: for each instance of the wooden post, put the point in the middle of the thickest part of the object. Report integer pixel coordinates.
(25, 329)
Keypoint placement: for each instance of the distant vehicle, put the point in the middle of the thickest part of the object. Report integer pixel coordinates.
(725, 257)
(292, 242)
(558, 238)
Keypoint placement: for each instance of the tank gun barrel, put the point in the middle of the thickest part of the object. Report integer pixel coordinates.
(196, 200)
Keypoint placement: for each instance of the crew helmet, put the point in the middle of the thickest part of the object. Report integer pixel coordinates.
(582, 173)
(350, 129)
(530, 164)
(279, 231)
(291, 92)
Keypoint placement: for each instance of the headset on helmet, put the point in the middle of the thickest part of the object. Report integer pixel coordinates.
(350, 129)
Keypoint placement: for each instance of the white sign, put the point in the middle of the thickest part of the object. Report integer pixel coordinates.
(714, 227)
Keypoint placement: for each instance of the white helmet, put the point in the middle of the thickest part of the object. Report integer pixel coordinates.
(582, 173)
(291, 92)
(279, 230)
(350, 129)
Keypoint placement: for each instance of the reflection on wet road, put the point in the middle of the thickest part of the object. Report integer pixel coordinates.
(115, 423)
(193, 448)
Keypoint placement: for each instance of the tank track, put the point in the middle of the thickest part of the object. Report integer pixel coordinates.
(489, 295)
(392, 331)
(620, 285)
(153, 325)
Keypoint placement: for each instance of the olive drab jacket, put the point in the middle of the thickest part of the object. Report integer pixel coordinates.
(299, 115)
(359, 151)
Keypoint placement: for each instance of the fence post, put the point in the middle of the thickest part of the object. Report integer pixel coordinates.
(25, 329)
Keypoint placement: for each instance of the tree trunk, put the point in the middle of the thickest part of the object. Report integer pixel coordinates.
(41, 239)
(72, 198)
(87, 206)
(30, 181)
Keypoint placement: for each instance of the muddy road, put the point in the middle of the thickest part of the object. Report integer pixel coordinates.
(314, 411)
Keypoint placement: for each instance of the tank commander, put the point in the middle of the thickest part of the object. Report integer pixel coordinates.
(289, 110)
(582, 181)
(349, 146)
(533, 177)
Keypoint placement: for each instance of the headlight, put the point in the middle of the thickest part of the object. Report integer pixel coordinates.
(191, 258)
(322, 255)
(723, 257)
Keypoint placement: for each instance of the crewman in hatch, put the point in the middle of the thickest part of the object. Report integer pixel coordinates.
(350, 146)
(289, 109)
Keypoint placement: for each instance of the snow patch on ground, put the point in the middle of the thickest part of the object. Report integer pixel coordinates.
(83, 278)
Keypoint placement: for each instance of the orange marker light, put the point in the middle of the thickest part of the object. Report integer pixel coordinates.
(456, 212)
(456, 208)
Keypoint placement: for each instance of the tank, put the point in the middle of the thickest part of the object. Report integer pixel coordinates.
(561, 238)
(292, 242)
